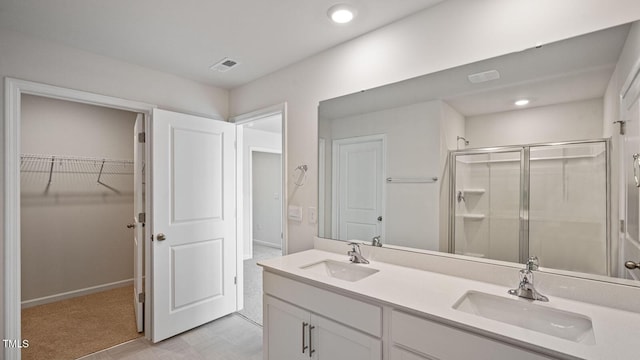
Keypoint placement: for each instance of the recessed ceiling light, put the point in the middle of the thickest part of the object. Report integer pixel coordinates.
(522, 102)
(341, 13)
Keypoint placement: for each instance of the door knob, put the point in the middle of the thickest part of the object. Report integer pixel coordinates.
(131, 226)
(631, 265)
(160, 237)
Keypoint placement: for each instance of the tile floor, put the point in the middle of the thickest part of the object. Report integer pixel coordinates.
(234, 337)
(229, 338)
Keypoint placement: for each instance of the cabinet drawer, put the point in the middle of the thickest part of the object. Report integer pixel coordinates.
(357, 314)
(447, 343)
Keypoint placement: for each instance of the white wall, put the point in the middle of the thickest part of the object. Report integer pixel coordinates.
(578, 120)
(452, 33)
(251, 138)
(72, 239)
(29, 58)
(412, 150)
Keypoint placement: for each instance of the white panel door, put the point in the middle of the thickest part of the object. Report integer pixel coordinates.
(138, 207)
(358, 181)
(194, 250)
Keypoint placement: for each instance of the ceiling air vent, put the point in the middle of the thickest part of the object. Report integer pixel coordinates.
(223, 65)
(484, 76)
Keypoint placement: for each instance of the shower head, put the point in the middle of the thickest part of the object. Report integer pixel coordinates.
(466, 142)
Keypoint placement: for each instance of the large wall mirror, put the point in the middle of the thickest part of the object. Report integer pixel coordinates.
(497, 160)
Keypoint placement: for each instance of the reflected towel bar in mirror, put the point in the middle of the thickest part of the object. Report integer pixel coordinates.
(412, 180)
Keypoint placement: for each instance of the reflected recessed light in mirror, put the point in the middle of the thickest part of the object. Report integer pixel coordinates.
(521, 102)
(341, 14)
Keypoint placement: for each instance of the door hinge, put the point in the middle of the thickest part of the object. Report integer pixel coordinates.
(142, 217)
(141, 297)
(235, 280)
(622, 225)
(622, 126)
(142, 137)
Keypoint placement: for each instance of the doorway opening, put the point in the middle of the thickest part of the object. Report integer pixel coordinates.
(261, 193)
(76, 199)
(17, 91)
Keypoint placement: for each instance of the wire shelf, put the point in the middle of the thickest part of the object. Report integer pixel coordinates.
(66, 174)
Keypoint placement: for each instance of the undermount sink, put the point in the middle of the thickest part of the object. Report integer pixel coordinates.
(523, 313)
(339, 270)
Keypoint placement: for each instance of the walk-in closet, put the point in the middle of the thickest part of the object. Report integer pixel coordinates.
(77, 198)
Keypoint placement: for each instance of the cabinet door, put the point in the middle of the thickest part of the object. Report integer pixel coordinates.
(333, 341)
(286, 330)
(401, 354)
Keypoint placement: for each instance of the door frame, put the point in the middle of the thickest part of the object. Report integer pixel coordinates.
(276, 109)
(335, 178)
(14, 89)
(629, 92)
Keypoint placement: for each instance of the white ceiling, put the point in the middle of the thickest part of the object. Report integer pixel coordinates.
(570, 70)
(186, 37)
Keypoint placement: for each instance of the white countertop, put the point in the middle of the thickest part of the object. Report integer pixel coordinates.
(617, 332)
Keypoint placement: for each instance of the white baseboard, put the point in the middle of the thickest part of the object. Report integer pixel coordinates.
(75, 293)
(268, 244)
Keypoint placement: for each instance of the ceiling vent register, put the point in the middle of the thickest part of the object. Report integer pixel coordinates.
(224, 65)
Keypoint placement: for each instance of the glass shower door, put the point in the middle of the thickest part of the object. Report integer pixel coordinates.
(568, 206)
(486, 204)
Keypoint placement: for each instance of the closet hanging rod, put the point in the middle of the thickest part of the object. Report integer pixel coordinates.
(37, 163)
(412, 180)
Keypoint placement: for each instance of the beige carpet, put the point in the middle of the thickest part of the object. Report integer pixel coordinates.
(76, 327)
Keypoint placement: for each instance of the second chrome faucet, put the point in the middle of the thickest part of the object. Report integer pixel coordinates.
(355, 256)
(525, 288)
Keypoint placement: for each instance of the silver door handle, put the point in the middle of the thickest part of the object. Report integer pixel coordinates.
(161, 237)
(131, 226)
(631, 265)
(304, 346)
(311, 349)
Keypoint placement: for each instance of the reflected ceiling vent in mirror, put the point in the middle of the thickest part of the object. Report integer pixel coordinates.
(224, 65)
(484, 76)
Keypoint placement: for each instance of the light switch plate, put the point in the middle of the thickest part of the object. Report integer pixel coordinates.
(295, 213)
(313, 215)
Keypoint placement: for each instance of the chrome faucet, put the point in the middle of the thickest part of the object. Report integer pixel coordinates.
(355, 256)
(376, 241)
(525, 289)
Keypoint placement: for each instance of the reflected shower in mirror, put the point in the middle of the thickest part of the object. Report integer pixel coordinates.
(545, 200)
(403, 162)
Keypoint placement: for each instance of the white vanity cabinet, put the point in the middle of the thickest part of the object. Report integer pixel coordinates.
(416, 338)
(295, 333)
(317, 327)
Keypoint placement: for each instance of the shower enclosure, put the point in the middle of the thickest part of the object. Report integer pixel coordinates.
(548, 200)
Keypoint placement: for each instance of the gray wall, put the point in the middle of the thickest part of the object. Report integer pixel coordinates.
(267, 198)
(72, 242)
(252, 139)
